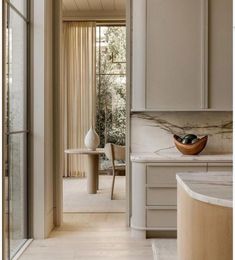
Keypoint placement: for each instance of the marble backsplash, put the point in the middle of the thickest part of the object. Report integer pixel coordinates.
(153, 132)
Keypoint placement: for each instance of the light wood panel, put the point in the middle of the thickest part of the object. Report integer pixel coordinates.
(204, 230)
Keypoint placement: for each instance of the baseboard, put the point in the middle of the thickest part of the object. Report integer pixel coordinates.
(161, 234)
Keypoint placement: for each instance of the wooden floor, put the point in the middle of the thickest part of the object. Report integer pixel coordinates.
(100, 236)
(76, 199)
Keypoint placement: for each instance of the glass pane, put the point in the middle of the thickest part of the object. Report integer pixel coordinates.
(97, 48)
(17, 192)
(111, 107)
(17, 69)
(112, 52)
(21, 6)
(111, 84)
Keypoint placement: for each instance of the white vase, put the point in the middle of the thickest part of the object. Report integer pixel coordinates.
(92, 139)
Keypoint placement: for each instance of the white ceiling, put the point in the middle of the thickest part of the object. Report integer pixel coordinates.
(93, 5)
(94, 9)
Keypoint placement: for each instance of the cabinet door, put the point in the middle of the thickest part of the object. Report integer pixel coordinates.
(165, 173)
(161, 196)
(220, 54)
(138, 54)
(161, 181)
(176, 54)
(161, 218)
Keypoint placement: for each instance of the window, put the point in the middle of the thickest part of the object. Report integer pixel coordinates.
(16, 128)
(111, 84)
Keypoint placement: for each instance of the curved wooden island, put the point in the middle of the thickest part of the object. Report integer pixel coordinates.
(204, 217)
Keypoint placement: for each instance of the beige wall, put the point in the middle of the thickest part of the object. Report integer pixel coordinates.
(42, 118)
(49, 115)
(58, 95)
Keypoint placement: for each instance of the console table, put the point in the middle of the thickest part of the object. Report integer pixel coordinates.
(92, 166)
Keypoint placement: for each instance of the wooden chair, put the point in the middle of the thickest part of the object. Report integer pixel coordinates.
(115, 152)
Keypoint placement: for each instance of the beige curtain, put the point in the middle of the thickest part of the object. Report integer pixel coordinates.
(79, 66)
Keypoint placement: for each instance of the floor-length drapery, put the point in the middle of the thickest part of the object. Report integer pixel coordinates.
(79, 89)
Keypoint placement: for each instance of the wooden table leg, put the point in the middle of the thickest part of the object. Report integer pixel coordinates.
(97, 177)
(92, 173)
(65, 173)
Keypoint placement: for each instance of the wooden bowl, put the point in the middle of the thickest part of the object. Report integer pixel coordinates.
(191, 149)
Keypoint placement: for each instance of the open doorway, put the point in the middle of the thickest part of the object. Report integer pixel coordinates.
(108, 116)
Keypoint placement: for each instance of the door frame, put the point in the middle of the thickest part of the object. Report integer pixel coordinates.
(58, 158)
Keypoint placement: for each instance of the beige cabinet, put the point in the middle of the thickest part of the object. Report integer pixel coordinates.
(175, 54)
(181, 55)
(161, 217)
(219, 167)
(154, 193)
(161, 195)
(220, 77)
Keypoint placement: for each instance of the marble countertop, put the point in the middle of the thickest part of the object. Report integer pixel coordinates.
(178, 157)
(215, 188)
(84, 151)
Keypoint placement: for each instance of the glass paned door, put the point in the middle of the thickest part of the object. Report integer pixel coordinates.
(21, 5)
(17, 85)
(16, 131)
(110, 85)
(18, 192)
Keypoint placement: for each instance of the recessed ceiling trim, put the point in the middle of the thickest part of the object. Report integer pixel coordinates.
(94, 15)
(94, 5)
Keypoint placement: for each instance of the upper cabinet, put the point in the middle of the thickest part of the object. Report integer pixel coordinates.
(220, 54)
(182, 55)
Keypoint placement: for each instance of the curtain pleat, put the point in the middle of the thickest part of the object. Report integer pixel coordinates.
(79, 89)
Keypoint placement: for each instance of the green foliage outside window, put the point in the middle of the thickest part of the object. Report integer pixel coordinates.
(111, 84)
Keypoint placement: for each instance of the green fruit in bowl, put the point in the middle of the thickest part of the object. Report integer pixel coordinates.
(189, 139)
(186, 141)
(194, 140)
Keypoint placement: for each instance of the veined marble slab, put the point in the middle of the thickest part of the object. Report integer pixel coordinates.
(153, 132)
(214, 188)
(178, 157)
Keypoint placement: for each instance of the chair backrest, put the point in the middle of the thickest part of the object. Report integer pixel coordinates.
(115, 152)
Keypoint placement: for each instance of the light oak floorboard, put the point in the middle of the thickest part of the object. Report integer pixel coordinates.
(82, 236)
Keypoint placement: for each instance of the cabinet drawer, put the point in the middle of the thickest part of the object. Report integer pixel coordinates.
(162, 218)
(166, 173)
(220, 167)
(161, 196)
